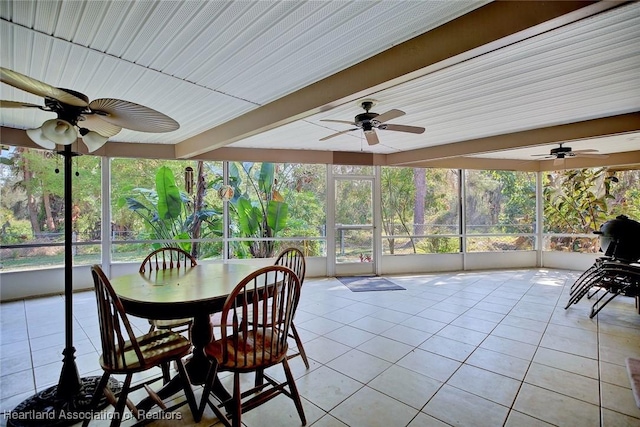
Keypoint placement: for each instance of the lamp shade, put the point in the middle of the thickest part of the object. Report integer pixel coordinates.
(93, 140)
(37, 137)
(59, 131)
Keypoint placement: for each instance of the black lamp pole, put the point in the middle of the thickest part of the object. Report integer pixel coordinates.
(69, 383)
(57, 405)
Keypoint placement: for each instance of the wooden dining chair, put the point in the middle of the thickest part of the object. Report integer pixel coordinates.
(248, 347)
(168, 259)
(294, 259)
(123, 353)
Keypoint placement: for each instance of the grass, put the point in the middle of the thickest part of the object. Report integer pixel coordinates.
(57, 260)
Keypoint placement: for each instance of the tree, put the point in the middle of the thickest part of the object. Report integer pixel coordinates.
(401, 199)
(500, 201)
(576, 200)
(36, 172)
(420, 182)
(579, 201)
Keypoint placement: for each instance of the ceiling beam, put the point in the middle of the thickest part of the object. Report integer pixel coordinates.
(491, 27)
(19, 138)
(16, 137)
(629, 159)
(554, 134)
(480, 164)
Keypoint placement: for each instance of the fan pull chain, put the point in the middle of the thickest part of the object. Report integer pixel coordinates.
(77, 173)
(57, 169)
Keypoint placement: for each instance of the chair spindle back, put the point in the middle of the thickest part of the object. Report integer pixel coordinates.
(270, 294)
(294, 259)
(113, 319)
(167, 258)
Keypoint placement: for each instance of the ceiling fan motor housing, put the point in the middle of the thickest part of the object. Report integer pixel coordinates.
(366, 120)
(69, 113)
(561, 150)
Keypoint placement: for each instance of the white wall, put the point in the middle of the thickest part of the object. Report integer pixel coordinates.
(400, 264)
(499, 260)
(46, 281)
(569, 260)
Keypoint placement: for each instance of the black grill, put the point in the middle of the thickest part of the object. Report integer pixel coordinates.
(616, 273)
(620, 239)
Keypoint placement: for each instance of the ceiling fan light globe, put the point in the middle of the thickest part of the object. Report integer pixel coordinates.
(93, 140)
(37, 137)
(59, 131)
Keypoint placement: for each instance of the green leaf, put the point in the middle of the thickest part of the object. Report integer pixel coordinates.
(277, 215)
(169, 201)
(183, 245)
(265, 183)
(205, 214)
(248, 220)
(136, 205)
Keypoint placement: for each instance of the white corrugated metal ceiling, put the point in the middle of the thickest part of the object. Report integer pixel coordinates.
(205, 63)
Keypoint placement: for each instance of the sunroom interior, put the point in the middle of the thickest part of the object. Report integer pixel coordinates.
(497, 86)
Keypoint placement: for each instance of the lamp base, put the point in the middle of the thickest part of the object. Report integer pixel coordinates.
(45, 408)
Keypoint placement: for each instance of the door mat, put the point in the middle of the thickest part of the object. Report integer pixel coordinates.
(633, 369)
(369, 283)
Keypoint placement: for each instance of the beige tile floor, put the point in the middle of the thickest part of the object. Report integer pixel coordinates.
(476, 349)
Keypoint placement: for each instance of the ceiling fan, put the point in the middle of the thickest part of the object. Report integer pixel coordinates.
(368, 122)
(561, 153)
(95, 121)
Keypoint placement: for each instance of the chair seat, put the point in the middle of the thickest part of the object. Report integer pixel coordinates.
(156, 347)
(122, 356)
(170, 324)
(248, 343)
(245, 347)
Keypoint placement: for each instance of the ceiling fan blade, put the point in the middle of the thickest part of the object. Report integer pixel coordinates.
(589, 155)
(36, 87)
(132, 116)
(372, 137)
(338, 121)
(402, 128)
(95, 123)
(389, 115)
(16, 104)
(584, 151)
(337, 134)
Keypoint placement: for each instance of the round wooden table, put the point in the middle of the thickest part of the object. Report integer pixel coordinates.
(196, 292)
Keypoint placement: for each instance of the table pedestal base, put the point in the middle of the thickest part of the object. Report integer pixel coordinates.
(197, 366)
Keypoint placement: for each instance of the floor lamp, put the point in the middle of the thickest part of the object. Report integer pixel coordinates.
(96, 121)
(56, 405)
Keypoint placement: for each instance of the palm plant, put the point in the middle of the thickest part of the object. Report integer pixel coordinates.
(169, 214)
(260, 208)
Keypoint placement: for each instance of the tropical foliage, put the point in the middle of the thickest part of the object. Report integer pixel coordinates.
(265, 195)
(580, 201)
(278, 204)
(170, 214)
